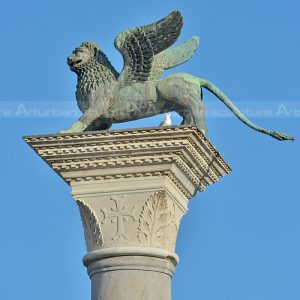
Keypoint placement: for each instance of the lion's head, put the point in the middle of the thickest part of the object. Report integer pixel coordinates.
(82, 55)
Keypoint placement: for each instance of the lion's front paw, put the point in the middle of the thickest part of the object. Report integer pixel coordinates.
(76, 127)
(63, 131)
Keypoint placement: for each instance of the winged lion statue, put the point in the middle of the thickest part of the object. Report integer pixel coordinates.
(105, 97)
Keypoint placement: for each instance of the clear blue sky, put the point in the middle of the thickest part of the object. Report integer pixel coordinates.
(240, 238)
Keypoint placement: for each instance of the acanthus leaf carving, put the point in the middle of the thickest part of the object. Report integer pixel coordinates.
(158, 223)
(92, 230)
(174, 226)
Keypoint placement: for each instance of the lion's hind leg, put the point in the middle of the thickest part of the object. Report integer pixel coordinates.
(185, 90)
(187, 116)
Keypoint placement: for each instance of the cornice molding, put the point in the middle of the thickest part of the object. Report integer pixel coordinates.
(133, 153)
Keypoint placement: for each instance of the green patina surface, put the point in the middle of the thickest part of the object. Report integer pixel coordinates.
(105, 97)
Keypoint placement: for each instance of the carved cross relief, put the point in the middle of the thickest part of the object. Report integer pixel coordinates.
(118, 214)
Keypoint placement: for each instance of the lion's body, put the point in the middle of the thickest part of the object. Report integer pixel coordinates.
(112, 103)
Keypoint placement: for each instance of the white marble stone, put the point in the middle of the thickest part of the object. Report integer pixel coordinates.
(132, 188)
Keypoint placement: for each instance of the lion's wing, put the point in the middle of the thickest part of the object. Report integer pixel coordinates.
(140, 44)
(173, 57)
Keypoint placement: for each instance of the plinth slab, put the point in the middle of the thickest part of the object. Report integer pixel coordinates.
(156, 151)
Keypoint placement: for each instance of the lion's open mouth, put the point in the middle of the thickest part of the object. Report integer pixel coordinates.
(75, 63)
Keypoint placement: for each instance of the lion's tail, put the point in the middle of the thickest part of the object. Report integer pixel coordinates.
(218, 93)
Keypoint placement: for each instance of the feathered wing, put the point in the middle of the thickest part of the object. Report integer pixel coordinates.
(173, 57)
(140, 44)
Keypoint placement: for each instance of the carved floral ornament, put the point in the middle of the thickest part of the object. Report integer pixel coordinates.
(92, 231)
(157, 223)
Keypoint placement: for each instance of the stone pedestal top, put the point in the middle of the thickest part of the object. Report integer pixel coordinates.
(134, 153)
